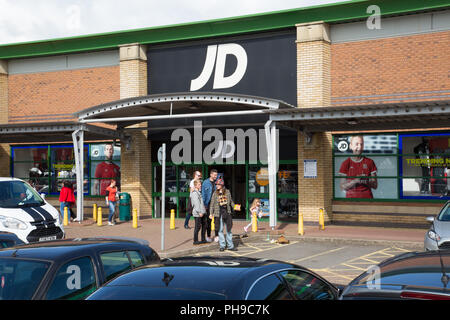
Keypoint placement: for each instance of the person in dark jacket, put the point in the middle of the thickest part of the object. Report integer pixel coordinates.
(221, 208)
(208, 189)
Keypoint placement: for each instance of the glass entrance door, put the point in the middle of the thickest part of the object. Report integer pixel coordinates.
(235, 181)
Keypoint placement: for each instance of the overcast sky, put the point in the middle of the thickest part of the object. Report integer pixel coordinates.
(30, 20)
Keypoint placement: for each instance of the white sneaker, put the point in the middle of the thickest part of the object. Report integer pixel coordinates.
(216, 239)
(111, 223)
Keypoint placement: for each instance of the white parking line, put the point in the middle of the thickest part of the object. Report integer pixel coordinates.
(316, 255)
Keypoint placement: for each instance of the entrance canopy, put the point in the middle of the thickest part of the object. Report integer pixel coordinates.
(393, 116)
(52, 132)
(173, 106)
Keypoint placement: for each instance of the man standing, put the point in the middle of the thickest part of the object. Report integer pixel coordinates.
(208, 187)
(360, 170)
(105, 171)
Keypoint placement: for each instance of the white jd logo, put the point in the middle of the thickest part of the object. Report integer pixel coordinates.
(217, 54)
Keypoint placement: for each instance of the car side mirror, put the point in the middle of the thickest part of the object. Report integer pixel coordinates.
(430, 219)
(43, 196)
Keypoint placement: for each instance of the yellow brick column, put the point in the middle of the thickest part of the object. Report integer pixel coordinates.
(314, 91)
(136, 169)
(4, 116)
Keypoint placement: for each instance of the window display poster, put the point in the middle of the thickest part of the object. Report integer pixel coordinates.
(425, 166)
(364, 168)
(105, 165)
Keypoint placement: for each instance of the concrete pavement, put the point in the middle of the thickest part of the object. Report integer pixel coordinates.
(178, 242)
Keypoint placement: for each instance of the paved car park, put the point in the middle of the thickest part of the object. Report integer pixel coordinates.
(338, 253)
(337, 261)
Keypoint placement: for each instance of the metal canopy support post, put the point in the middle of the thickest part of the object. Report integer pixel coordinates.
(272, 161)
(78, 141)
(163, 194)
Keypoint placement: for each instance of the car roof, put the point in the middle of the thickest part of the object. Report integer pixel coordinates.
(61, 249)
(413, 269)
(9, 179)
(213, 274)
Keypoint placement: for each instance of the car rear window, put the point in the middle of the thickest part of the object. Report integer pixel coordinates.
(19, 278)
(152, 293)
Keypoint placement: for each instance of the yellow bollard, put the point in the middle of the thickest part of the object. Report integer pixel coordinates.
(99, 217)
(213, 225)
(254, 223)
(94, 212)
(301, 230)
(172, 219)
(135, 219)
(66, 216)
(321, 219)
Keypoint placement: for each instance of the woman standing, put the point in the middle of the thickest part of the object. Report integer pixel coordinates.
(111, 199)
(66, 199)
(198, 211)
(221, 207)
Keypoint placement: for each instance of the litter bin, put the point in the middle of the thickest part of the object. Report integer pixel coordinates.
(124, 206)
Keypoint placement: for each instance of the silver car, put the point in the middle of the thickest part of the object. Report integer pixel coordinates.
(438, 237)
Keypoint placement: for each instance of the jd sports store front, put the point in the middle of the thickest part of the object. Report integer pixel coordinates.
(246, 180)
(259, 65)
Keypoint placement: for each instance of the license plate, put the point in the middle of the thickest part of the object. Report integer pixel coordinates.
(47, 238)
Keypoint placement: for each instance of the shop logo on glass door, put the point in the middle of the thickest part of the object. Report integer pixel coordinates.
(216, 56)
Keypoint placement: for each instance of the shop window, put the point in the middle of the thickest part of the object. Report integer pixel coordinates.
(47, 167)
(171, 178)
(365, 167)
(425, 165)
(171, 204)
(287, 209)
(287, 179)
(62, 167)
(415, 167)
(185, 175)
(31, 165)
(258, 179)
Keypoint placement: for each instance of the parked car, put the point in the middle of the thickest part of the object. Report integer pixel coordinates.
(68, 269)
(412, 275)
(25, 213)
(218, 278)
(8, 239)
(438, 237)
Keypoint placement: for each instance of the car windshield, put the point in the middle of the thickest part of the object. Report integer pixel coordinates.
(15, 194)
(444, 215)
(19, 279)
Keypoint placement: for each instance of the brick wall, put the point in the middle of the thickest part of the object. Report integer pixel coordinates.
(315, 193)
(54, 96)
(136, 161)
(409, 68)
(314, 90)
(313, 74)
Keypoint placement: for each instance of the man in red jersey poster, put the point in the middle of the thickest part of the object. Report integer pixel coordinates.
(105, 171)
(361, 172)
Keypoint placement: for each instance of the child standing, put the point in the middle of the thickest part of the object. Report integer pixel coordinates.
(255, 210)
